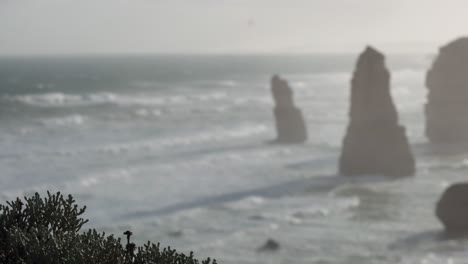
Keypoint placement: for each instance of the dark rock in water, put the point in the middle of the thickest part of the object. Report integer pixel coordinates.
(270, 245)
(452, 209)
(374, 143)
(447, 104)
(290, 124)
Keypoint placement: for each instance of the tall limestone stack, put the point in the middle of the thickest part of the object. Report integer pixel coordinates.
(447, 106)
(374, 144)
(290, 124)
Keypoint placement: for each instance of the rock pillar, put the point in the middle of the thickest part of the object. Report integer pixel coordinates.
(447, 104)
(290, 124)
(375, 144)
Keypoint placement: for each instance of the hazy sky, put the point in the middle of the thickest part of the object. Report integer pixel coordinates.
(227, 26)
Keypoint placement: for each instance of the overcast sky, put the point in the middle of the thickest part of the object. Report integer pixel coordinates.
(227, 26)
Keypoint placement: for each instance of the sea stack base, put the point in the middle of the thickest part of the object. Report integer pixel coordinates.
(382, 150)
(290, 125)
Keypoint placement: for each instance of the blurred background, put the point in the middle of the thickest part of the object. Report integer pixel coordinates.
(157, 116)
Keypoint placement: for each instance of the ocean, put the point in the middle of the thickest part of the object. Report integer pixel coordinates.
(175, 148)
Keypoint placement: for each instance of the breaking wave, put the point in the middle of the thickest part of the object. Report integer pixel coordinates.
(71, 100)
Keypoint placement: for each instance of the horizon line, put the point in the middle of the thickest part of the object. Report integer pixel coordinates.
(200, 54)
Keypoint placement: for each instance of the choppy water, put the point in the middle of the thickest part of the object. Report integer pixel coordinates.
(173, 148)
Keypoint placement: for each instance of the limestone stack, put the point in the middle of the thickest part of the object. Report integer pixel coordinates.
(452, 209)
(290, 124)
(375, 144)
(447, 106)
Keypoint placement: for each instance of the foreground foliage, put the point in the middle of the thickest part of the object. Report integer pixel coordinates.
(47, 230)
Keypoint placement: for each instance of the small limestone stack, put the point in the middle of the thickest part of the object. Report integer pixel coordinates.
(290, 124)
(452, 209)
(374, 144)
(447, 106)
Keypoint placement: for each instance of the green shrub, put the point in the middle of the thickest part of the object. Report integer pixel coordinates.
(47, 230)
